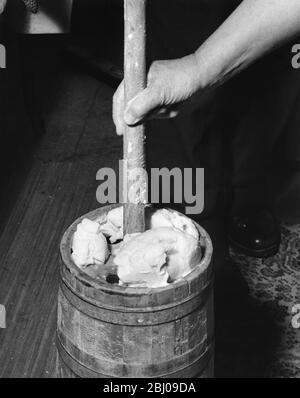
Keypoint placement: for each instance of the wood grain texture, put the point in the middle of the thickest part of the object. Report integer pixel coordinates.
(107, 330)
(135, 177)
(59, 186)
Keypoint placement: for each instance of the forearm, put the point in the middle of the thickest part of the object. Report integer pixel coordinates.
(255, 28)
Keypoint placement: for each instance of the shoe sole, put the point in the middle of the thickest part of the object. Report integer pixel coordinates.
(264, 253)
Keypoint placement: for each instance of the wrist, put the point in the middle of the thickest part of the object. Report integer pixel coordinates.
(209, 68)
(196, 73)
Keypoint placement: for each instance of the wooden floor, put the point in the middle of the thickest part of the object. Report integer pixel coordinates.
(59, 185)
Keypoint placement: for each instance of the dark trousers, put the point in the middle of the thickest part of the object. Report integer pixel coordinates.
(175, 29)
(233, 133)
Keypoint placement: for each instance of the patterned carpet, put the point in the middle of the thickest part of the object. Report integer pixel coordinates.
(267, 332)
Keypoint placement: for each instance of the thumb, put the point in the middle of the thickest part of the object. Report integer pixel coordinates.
(140, 106)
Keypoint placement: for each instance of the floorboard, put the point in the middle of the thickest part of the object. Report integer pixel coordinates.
(60, 186)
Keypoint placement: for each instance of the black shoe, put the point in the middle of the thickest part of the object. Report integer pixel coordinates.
(255, 233)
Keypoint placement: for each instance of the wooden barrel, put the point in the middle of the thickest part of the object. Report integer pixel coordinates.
(107, 330)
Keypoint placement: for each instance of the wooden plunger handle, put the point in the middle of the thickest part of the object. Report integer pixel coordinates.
(134, 173)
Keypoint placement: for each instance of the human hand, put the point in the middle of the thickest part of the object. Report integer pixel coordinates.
(170, 84)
